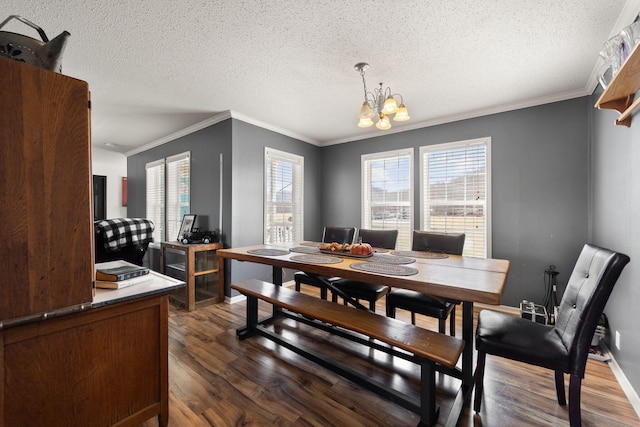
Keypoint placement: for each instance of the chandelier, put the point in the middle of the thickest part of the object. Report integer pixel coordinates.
(380, 102)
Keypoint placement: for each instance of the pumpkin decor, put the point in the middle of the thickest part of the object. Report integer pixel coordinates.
(361, 248)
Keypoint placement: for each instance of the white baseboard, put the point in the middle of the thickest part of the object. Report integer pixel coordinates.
(626, 386)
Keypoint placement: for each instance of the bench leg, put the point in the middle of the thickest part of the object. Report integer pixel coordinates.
(252, 319)
(428, 410)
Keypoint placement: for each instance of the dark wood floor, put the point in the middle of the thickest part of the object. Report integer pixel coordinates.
(217, 380)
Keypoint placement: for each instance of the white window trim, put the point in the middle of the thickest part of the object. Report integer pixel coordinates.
(297, 196)
(486, 141)
(364, 190)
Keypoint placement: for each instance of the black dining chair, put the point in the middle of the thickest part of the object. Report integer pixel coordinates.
(384, 239)
(565, 347)
(329, 235)
(418, 302)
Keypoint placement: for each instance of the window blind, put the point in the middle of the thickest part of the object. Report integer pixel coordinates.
(155, 198)
(283, 197)
(455, 192)
(168, 195)
(387, 193)
(178, 192)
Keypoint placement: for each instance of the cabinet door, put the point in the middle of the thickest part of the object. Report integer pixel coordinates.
(46, 230)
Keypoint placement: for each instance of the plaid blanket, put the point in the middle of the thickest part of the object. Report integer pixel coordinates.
(118, 233)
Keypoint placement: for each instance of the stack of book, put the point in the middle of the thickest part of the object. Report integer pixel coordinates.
(117, 276)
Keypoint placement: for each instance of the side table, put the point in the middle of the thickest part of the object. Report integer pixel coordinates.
(197, 265)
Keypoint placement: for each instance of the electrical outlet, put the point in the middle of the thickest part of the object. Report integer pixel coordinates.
(618, 340)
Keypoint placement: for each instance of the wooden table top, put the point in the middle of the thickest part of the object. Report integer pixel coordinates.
(456, 277)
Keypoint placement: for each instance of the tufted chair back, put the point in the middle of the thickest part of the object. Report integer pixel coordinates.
(448, 243)
(338, 234)
(587, 292)
(379, 238)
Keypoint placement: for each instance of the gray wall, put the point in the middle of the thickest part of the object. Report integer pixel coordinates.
(242, 146)
(205, 146)
(615, 189)
(539, 186)
(249, 143)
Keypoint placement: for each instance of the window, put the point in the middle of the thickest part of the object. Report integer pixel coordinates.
(387, 193)
(283, 197)
(177, 193)
(168, 195)
(155, 198)
(455, 192)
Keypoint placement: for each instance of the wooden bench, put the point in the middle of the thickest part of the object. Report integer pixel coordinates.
(426, 348)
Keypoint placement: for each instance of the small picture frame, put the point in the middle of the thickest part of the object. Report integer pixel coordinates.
(187, 224)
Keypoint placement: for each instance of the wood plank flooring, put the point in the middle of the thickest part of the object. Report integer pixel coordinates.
(217, 380)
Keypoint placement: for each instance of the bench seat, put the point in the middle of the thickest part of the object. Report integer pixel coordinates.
(439, 348)
(427, 348)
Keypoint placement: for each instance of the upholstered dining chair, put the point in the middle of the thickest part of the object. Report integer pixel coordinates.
(329, 235)
(384, 239)
(565, 347)
(429, 305)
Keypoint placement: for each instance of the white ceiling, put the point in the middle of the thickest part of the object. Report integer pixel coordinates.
(157, 67)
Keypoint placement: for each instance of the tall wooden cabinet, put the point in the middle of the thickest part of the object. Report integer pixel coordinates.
(69, 355)
(46, 229)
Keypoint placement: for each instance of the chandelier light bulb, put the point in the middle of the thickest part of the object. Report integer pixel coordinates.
(402, 115)
(365, 122)
(366, 111)
(383, 122)
(390, 105)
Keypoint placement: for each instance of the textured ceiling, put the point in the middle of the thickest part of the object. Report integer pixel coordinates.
(157, 67)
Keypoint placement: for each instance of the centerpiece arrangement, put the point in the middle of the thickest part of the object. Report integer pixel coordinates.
(356, 250)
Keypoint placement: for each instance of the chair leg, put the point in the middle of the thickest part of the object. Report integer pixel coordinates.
(575, 382)
(442, 324)
(372, 305)
(479, 378)
(297, 286)
(413, 318)
(452, 322)
(391, 310)
(562, 400)
(323, 292)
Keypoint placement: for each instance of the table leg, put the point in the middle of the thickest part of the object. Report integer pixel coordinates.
(276, 279)
(467, 336)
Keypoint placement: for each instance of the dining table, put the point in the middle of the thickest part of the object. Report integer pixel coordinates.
(463, 278)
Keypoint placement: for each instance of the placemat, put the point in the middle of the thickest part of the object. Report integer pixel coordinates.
(420, 254)
(305, 250)
(387, 259)
(267, 252)
(310, 244)
(317, 259)
(391, 269)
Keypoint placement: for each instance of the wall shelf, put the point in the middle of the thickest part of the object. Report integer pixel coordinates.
(621, 90)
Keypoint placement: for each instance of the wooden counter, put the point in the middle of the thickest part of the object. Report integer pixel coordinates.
(104, 366)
